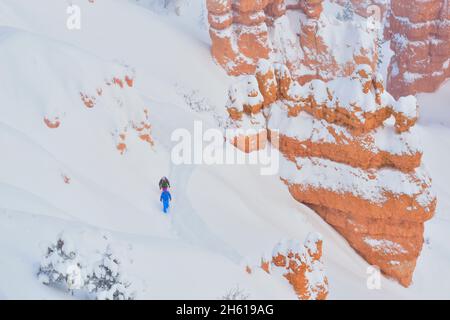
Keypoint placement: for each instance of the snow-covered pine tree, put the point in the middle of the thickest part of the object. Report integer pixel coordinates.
(106, 281)
(379, 43)
(348, 13)
(236, 294)
(177, 5)
(61, 265)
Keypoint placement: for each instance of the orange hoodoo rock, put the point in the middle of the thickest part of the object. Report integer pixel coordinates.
(420, 32)
(350, 149)
(246, 130)
(301, 265)
(360, 172)
(351, 154)
(239, 34)
(243, 32)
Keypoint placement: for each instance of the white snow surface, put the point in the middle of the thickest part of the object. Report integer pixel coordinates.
(222, 215)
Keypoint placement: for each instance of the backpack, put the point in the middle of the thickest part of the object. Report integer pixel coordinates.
(164, 183)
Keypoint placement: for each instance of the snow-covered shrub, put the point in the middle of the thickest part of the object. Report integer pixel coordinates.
(236, 294)
(195, 101)
(90, 268)
(172, 5)
(379, 44)
(347, 13)
(177, 5)
(106, 281)
(61, 265)
(198, 103)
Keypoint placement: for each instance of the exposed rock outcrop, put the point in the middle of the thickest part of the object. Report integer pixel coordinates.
(52, 124)
(239, 34)
(114, 88)
(350, 150)
(243, 32)
(245, 104)
(351, 154)
(420, 39)
(113, 92)
(301, 265)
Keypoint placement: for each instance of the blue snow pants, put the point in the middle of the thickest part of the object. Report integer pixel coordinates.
(165, 206)
(166, 197)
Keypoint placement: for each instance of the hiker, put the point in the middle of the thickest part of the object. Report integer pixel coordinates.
(165, 199)
(164, 184)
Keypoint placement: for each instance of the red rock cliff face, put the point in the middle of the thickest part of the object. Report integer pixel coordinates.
(243, 32)
(350, 150)
(350, 153)
(420, 31)
(239, 34)
(358, 167)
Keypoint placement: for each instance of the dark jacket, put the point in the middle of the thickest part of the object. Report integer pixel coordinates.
(164, 183)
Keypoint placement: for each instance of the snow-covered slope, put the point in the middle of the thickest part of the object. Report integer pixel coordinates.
(74, 178)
